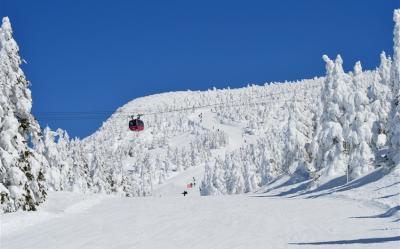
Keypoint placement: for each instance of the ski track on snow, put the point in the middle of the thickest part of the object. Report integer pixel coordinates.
(209, 222)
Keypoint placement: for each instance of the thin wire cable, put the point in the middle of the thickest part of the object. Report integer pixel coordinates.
(95, 115)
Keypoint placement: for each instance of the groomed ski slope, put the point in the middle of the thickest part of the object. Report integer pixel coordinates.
(198, 222)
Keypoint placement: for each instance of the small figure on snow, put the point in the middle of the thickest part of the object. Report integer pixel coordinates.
(184, 193)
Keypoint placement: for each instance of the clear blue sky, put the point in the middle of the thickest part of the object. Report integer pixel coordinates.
(96, 55)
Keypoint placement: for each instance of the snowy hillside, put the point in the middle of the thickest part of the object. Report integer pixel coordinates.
(188, 129)
(294, 164)
(343, 124)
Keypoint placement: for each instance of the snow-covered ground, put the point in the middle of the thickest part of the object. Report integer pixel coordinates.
(287, 213)
(169, 220)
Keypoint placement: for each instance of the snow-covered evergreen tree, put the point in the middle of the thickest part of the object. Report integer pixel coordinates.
(250, 176)
(53, 177)
(380, 96)
(296, 137)
(331, 156)
(395, 80)
(22, 183)
(361, 156)
(81, 181)
(207, 185)
(65, 162)
(236, 182)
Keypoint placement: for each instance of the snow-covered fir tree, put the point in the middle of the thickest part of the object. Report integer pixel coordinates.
(361, 156)
(22, 182)
(380, 96)
(297, 135)
(395, 82)
(331, 154)
(51, 153)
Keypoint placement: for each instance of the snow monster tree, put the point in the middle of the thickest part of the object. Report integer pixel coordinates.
(22, 183)
(395, 83)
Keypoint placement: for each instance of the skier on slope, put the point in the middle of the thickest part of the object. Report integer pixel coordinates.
(184, 193)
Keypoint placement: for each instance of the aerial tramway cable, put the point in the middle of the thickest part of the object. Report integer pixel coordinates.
(136, 124)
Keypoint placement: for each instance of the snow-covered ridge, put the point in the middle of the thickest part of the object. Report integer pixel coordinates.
(174, 101)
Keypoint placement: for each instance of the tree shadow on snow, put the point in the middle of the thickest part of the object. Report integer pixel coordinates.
(268, 189)
(291, 181)
(354, 241)
(339, 184)
(300, 187)
(303, 186)
(385, 229)
(389, 213)
(387, 196)
(391, 185)
(372, 177)
(338, 181)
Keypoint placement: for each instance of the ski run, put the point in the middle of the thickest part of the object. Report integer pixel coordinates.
(307, 164)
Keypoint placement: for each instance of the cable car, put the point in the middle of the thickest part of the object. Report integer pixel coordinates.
(136, 124)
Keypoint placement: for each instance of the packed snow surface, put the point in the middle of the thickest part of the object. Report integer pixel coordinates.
(170, 220)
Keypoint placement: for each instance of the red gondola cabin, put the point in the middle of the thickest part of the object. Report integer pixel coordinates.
(136, 125)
